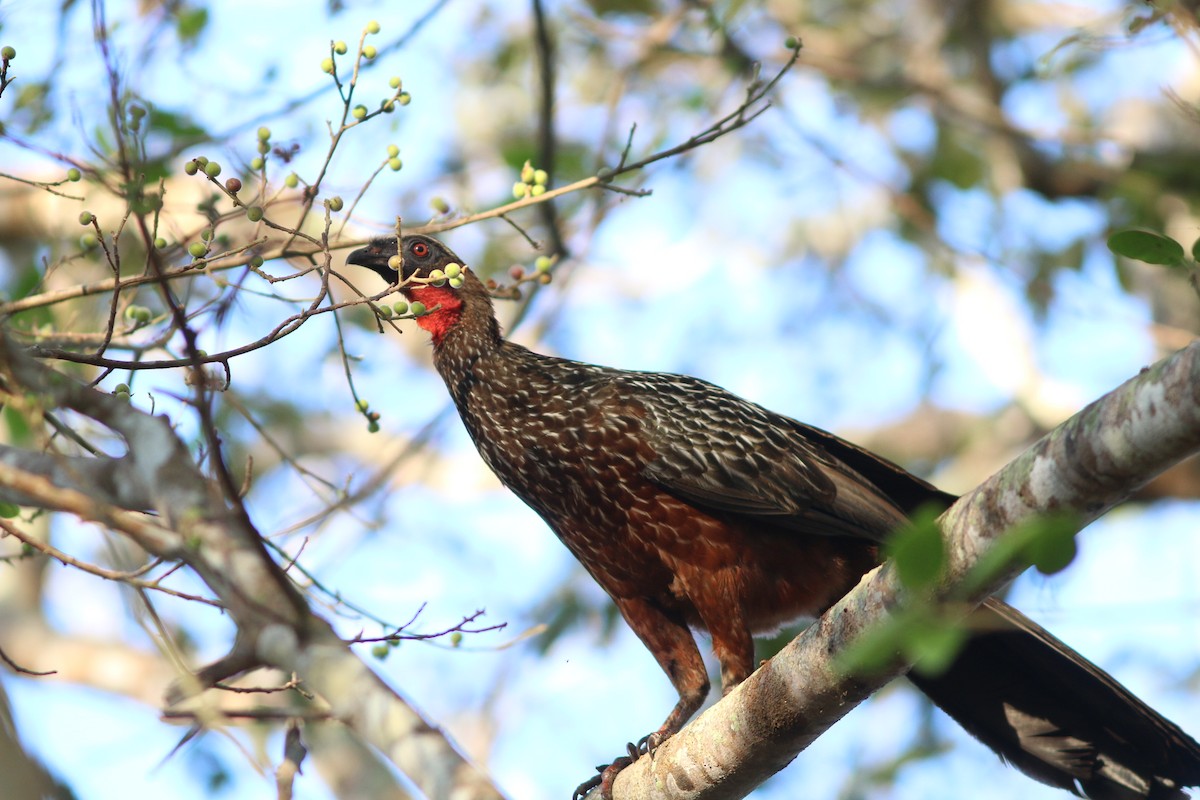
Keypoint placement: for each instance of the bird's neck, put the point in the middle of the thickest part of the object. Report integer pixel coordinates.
(461, 322)
(445, 310)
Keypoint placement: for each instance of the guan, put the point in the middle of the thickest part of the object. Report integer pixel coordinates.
(694, 508)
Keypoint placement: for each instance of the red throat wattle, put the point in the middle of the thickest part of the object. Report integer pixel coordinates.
(438, 322)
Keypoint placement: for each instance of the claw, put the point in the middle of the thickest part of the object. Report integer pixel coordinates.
(608, 774)
(650, 742)
(591, 783)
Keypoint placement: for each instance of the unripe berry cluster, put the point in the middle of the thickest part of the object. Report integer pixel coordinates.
(452, 274)
(532, 183)
(138, 315)
(366, 51)
(263, 146)
(388, 104)
(232, 186)
(211, 168)
(540, 274)
(372, 416)
(401, 308)
(341, 48)
(541, 271)
(136, 114)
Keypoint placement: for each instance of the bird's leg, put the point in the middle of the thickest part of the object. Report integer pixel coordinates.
(668, 637)
(732, 643)
(671, 642)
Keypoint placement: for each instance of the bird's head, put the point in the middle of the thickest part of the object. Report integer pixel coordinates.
(420, 257)
(433, 276)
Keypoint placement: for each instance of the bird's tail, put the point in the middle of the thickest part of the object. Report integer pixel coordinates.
(1059, 718)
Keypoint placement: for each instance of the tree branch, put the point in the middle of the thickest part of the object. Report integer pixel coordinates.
(110, 480)
(275, 625)
(1087, 465)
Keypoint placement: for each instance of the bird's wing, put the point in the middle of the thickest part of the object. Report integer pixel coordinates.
(727, 455)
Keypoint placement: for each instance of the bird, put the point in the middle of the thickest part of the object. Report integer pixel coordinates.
(695, 509)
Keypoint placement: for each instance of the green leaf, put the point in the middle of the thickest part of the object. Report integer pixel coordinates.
(922, 637)
(997, 559)
(1048, 542)
(35, 99)
(956, 159)
(934, 643)
(917, 550)
(1196, 250)
(19, 432)
(1148, 246)
(180, 126)
(609, 8)
(190, 24)
(875, 648)
(1140, 23)
(1051, 543)
(9, 510)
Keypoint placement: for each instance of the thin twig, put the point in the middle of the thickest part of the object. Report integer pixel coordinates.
(129, 578)
(15, 667)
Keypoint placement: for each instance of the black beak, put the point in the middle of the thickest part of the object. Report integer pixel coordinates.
(376, 257)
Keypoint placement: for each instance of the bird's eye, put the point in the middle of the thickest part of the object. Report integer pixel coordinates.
(420, 250)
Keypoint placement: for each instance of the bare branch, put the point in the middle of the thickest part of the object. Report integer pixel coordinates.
(128, 578)
(17, 668)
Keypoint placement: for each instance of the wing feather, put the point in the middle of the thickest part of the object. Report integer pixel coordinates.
(725, 454)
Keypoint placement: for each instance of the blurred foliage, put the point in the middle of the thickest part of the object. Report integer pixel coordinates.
(918, 550)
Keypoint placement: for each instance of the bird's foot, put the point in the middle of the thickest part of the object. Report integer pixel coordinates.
(608, 772)
(648, 743)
